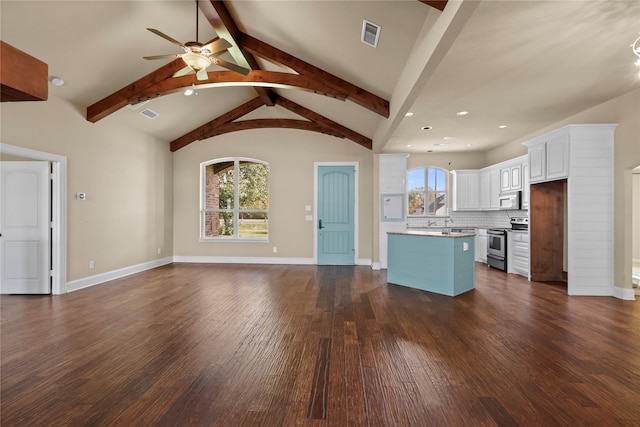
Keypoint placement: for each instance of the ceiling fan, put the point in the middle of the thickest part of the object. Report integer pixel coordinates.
(198, 56)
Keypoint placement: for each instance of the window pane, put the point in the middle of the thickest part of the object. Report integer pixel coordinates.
(253, 185)
(441, 180)
(416, 179)
(218, 224)
(219, 182)
(441, 203)
(431, 179)
(416, 203)
(253, 225)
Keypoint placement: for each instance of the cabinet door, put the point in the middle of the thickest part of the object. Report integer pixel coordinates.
(495, 188)
(485, 190)
(516, 182)
(466, 191)
(537, 160)
(558, 158)
(525, 186)
(505, 180)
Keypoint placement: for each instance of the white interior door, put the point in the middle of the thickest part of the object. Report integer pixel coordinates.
(24, 228)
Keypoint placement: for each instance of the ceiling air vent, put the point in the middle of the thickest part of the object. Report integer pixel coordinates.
(149, 113)
(370, 33)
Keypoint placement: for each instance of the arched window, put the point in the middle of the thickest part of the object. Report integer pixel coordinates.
(427, 191)
(235, 199)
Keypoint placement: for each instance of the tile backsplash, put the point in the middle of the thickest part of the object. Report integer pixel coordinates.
(489, 219)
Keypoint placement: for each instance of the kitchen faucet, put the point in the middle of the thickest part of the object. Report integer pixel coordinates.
(431, 223)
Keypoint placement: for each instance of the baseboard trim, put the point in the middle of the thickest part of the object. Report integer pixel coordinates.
(254, 260)
(242, 260)
(624, 293)
(86, 282)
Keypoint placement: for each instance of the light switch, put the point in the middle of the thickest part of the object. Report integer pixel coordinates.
(308, 218)
(307, 208)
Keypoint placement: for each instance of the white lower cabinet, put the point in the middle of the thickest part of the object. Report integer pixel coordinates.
(518, 253)
(481, 245)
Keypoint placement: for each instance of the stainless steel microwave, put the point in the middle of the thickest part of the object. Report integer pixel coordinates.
(511, 201)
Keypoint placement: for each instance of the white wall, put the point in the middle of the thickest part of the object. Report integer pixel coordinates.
(291, 155)
(126, 175)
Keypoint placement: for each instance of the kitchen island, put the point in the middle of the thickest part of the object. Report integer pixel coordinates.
(432, 261)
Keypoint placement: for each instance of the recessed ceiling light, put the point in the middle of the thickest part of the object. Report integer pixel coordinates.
(427, 127)
(57, 81)
(462, 113)
(502, 126)
(441, 144)
(468, 145)
(409, 114)
(449, 138)
(408, 145)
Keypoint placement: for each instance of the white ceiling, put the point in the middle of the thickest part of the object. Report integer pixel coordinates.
(526, 64)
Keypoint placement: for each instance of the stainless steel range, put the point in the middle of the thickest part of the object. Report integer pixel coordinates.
(497, 248)
(497, 242)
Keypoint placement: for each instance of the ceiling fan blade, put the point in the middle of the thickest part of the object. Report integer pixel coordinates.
(217, 46)
(230, 66)
(166, 37)
(171, 55)
(202, 75)
(182, 72)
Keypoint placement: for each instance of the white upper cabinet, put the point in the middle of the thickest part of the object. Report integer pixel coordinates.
(548, 159)
(466, 189)
(511, 176)
(558, 157)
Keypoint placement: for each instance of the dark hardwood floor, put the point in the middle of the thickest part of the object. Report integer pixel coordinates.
(252, 345)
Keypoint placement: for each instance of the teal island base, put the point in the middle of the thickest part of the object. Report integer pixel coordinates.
(434, 262)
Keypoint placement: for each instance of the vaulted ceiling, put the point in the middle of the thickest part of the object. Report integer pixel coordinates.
(526, 64)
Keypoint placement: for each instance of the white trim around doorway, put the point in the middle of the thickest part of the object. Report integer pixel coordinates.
(59, 203)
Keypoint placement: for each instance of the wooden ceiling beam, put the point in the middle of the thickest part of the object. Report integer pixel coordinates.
(342, 131)
(231, 78)
(207, 129)
(440, 5)
(124, 96)
(220, 19)
(225, 124)
(354, 93)
(22, 77)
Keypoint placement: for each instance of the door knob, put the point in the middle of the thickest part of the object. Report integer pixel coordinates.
(320, 224)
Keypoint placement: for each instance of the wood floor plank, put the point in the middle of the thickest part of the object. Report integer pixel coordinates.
(278, 345)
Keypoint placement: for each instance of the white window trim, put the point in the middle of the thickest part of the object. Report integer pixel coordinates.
(447, 192)
(203, 189)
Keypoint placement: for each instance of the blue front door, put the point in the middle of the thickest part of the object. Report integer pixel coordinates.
(336, 204)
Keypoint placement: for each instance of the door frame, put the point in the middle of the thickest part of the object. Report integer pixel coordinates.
(58, 203)
(356, 217)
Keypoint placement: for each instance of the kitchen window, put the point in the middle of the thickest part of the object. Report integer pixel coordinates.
(234, 199)
(427, 191)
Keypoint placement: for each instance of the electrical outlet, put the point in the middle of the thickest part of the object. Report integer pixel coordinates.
(91, 265)
(275, 249)
(159, 251)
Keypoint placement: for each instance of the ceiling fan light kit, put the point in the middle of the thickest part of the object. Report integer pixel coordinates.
(196, 61)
